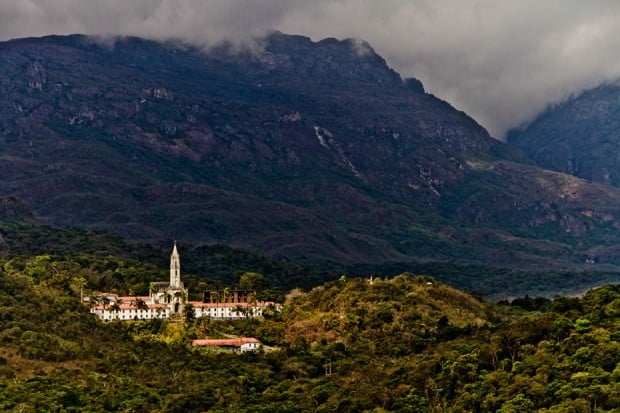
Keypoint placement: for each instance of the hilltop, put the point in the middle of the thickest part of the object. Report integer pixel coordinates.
(350, 345)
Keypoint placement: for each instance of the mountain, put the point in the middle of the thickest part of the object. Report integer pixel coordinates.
(314, 150)
(580, 136)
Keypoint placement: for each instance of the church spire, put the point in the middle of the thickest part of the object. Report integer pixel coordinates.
(175, 268)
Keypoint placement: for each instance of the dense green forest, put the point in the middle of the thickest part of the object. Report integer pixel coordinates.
(221, 265)
(408, 344)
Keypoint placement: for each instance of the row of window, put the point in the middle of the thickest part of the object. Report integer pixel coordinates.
(151, 313)
(229, 312)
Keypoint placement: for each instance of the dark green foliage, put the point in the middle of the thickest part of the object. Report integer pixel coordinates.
(213, 266)
(530, 304)
(410, 344)
(216, 266)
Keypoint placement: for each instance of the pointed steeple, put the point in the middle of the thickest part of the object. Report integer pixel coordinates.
(175, 268)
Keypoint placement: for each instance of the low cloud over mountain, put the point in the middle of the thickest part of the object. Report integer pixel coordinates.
(501, 62)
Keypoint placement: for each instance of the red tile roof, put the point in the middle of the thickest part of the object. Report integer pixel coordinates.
(128, 306)
(225, 342)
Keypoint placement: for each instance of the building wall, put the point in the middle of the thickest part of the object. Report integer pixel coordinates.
(227, 312)
(130, 314)
(214, 312)
(249, 347)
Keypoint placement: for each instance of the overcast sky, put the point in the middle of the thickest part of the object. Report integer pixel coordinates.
(501, 61)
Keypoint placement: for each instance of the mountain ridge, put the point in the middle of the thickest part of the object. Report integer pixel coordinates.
(578, 136)
(303, 149)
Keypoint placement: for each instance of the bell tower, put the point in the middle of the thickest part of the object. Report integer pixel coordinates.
(175, 268)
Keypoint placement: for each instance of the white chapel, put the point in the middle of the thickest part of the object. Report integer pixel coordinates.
(172, 293)
(169, 300)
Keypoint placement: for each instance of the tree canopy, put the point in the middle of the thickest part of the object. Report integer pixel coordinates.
(408, 344)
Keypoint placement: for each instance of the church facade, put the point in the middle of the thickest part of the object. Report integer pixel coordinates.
(169, 300)
(173, 295)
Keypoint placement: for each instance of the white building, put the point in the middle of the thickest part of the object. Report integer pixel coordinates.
(130, 308)
(169, 300)
(230, 310)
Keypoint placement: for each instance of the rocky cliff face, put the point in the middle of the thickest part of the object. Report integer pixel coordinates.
(299, 148)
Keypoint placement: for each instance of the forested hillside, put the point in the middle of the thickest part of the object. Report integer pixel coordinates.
(218, 265)
(409, 344)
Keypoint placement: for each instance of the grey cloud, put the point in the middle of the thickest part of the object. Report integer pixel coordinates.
(500, 61)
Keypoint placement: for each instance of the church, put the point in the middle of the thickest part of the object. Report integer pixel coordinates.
(172, 294)
(170, 299)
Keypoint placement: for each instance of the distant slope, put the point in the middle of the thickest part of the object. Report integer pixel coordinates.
(313, 150)
(580, 136)
(216, 266)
